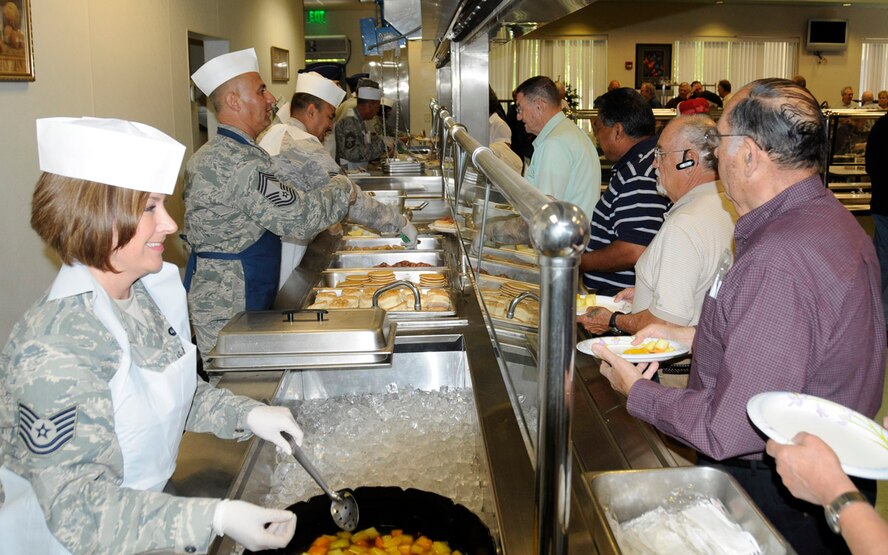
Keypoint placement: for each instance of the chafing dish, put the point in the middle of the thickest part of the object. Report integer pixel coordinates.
(370, 260)
(426, 242)
(396, 315)
(304, 339)
(518, 272)
(332, 277)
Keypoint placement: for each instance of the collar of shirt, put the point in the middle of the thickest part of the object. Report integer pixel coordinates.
(698, 191)
(550, 125)
(70, 281)
(641, 150)
(239, 132)
(793, 196)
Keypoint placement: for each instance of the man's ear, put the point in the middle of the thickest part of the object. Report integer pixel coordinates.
(232, 100)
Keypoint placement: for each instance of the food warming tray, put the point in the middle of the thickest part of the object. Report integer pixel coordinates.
(304, 339)
(372, 259)
(494, 282)
(330, 278)
(518, 272)
(627, 494)
(397, 314)
(426, 242)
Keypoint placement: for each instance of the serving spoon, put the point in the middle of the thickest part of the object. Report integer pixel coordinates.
(343, 506)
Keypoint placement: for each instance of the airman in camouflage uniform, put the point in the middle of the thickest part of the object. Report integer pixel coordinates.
(306, 163)
(233, 194)
(59, 357)
(355, 144)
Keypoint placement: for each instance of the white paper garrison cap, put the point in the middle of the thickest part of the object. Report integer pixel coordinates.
(222, 68)
(110, 151)
(369, 93)
(315, 84)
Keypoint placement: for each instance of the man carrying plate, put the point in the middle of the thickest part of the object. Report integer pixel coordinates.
(800, 310)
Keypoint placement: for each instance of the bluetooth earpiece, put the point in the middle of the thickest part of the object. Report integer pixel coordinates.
(685, 162)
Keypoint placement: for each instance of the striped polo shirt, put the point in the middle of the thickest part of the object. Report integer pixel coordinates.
(630, 210)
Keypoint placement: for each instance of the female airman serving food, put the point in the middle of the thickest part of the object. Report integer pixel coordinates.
(98, 380)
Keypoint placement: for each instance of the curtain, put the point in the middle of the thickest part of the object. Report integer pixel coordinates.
(582, 64)
(874, 67)
(739, 61)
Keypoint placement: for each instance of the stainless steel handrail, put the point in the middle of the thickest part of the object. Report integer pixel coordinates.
(559, 232)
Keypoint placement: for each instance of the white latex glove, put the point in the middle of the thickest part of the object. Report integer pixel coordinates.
(408, 235)
(269, 422)
(254, 527)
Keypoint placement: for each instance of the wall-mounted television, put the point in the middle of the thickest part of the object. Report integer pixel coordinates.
(827, 34)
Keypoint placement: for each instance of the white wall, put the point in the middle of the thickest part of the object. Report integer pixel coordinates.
(114, 58)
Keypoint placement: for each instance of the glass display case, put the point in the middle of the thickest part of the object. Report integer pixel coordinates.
(845, 172)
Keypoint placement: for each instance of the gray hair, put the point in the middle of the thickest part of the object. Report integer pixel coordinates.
(784, 120)
(696, 129)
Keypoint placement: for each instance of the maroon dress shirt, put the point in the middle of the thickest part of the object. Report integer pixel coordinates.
(799, 311)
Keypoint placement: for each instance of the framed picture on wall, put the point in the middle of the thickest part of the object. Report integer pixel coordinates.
(16, 46)
(653, 64)
(280, 64)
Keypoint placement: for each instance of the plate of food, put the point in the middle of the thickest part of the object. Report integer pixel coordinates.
(650, 350)
(586, 301)
(860, 443)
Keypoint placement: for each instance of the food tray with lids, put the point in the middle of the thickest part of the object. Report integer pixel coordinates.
(333, 277)
(514, 288)
(395, 315)
(372, 260)
(426, 242)
(304, 339)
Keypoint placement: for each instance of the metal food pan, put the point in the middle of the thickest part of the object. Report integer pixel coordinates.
(393, 198)
(320, 360)
(396, 314)
(332, 277)
(494, 282)
(373, 259)
(627, 494)
(270, 332)
(513, 271)
(426, 242)
(527, 258)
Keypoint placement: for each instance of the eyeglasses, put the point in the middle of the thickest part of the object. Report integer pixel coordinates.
(659, 153)
(713, 137)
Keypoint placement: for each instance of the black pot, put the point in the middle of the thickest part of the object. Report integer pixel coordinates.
(414, 511)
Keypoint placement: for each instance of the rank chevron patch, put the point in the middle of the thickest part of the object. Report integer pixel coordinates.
(43, 436)
(275, 191)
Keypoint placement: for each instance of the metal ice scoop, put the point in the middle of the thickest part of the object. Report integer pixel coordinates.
(344, 506)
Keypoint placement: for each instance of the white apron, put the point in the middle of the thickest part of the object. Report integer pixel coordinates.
(148, 430)
(292, 248)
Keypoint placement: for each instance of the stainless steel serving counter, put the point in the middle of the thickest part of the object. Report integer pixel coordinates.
(503, 373)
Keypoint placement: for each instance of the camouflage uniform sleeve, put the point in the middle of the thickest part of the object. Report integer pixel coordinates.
(350, 143)
(510, 231)
(219, 411)
(62, 364)
(304, 164)
(284, 210)
(370, 212)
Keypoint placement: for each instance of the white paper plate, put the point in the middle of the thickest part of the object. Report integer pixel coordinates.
(860, 443)
(606, 302)
(619, 344)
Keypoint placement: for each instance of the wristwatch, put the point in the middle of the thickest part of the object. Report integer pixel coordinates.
(832, 510)
(612, 324)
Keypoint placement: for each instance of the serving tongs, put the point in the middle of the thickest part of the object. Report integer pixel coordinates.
(343, 506)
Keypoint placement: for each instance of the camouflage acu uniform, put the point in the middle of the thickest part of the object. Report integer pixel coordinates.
(354, 143)
(232, 195)
(60, 359)
(306, 164)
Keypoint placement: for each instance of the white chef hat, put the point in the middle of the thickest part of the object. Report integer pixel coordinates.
(222, 68)
(110, 151)
(369, 93)
(386, 101)
(317, 85)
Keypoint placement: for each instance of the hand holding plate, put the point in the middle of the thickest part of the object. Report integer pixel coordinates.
(810, 469)
(621, 373)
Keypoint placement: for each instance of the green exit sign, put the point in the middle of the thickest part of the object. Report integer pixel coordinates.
(317, 16)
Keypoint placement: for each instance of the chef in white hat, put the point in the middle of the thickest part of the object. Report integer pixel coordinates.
(237, 206)
(99, 376)
(296, 146)
(355, 145)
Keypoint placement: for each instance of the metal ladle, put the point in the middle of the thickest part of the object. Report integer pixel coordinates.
(343, 506)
